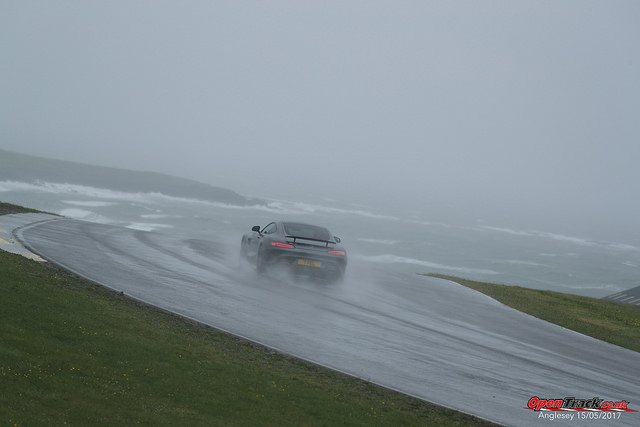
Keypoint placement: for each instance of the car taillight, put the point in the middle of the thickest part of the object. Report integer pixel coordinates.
(336, 252)
(282, 245)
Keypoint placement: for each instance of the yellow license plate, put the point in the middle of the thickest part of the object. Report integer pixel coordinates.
(309, 263)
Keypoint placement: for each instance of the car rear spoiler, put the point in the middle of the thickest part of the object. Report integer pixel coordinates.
(311, 238)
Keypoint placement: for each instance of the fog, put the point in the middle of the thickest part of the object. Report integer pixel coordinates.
(495, 110)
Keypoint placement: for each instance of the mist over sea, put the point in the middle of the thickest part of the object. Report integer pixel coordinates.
(409, 242)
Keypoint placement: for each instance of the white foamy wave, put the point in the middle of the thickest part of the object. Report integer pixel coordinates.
(273, 206)
(579, 241)
(562, 238)
(519, 262)
(154, 216)
(309, 208)
(544, 234)
(269, 207)
(6, 186)
(279, 207)
(88, 204)
(623, 247)
(394, 259)
(85, 215)
(506, 230)
(301, 208)
(77, 190)
(99, 193)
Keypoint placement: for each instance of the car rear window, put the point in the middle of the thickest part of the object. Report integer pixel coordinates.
(306, 231)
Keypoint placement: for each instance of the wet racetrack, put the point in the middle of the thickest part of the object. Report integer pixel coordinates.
(423, 336)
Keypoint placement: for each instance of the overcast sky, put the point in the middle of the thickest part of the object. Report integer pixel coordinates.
(532, 105)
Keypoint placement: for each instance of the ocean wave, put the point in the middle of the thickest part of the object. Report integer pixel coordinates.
(281, 207)
(344, 211)
(89, 204)
(276, 207)
(623, 247)
(544, 234)
(519, 262)
(84, 215)
(506, 230)
(570, 239)
(154, 216)
(78, 190)
(395, 259)
(579, 241)
(301, 208)
(98, 193)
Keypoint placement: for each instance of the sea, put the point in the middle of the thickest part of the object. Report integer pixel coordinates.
(409, 242)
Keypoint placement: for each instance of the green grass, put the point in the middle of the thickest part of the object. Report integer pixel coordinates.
(608, 321)
(8, 208)
(73, 352)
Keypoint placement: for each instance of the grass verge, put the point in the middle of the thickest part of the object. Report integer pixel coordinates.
(76, 353)
(608, 321)
(8, 208)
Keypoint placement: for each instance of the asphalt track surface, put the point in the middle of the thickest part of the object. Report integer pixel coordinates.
(426, 337)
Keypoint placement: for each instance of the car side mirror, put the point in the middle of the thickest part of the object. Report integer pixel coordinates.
(338, 240)
(255, 228)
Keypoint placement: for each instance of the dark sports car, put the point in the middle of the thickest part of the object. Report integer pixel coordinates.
(302, 248)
